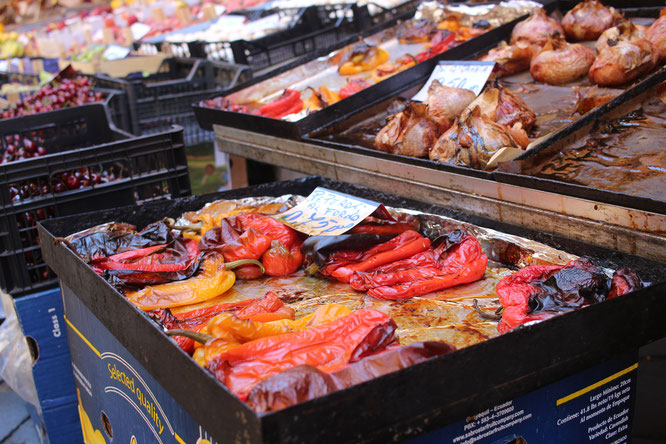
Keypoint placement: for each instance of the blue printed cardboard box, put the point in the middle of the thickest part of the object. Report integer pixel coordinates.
(42, 321)
(121, 402)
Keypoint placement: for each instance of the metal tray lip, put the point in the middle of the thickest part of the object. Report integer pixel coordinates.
(399, 158)
(324, 401)
(207, 117)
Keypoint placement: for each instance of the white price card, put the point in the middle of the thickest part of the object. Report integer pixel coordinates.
(115, 52)
(327, 212)
(139, 30)
(457, 74)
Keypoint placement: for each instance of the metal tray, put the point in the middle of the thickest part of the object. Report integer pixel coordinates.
(419, 73)
(319, 137)
(397, 406)
(511, 172)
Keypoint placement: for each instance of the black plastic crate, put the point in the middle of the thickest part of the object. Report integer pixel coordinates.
(79, 140)
(314, 28)
(165, 98)
(374, 15)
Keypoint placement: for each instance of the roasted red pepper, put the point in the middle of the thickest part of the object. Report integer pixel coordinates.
(538, 292)
(279, 260)
(387, 228)
(327, 347)
(288, 103)
(352, 88)
(465, 262)
(440, 43)
(273, 229)
(403, 246)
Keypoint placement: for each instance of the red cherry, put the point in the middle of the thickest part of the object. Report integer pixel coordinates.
(73, 182)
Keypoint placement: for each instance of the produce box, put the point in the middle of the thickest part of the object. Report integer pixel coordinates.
(42, 320)
(104, 330)
(89, 165)
(163, 99)
(118, 68)
(413, 60)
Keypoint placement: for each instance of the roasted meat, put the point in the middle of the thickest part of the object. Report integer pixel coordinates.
(623, 62)
(588, 19)
(536, 28)
(510, 59)
(561, 62)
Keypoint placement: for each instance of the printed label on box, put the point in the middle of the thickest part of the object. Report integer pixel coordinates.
(327, 212)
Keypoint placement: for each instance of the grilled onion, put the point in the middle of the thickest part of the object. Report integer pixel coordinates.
(588, 19)
(656, 34)
(561, 62)
(536, 28)
(624, 30)
(623, 62)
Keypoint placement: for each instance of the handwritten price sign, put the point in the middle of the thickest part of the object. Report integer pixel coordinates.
(466, 75)
(327, 212)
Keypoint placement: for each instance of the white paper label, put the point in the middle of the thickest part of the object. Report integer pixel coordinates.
(467, 75)
(327, 212)
(4, 65)
(115, 52)
(139, 30)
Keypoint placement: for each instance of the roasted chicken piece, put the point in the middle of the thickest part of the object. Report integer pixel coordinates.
(536, 28)
(362, 57)
(411, 132)
(561, 62)
(475, 138)
(656, 34)
(416, 31)
(510, 59)
(444, 103)
(588, 19)
(624, 30)
(623, 62)
(504, 107)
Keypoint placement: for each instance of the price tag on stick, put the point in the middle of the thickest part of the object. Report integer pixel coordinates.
(327, 212)
(467, 75)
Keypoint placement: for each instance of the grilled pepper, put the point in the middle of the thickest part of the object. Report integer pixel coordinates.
(352, 88)
(278, 260)
(288, 103)
(327, 347)
(269, 227)
(362, 57)
(440, 43)
(464, 263)
(538, 292)
(211, 280)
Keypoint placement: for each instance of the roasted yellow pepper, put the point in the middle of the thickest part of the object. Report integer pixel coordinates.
(211, 280)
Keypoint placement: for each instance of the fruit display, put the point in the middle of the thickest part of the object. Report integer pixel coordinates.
(59, 93)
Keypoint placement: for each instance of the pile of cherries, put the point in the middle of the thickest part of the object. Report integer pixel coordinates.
(21, 148)
(60, 182)
(56, 95)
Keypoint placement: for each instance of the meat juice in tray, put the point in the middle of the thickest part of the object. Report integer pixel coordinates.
(542, 84)
(397, 289)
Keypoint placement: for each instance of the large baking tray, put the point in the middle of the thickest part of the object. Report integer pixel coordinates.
(319, 136)
(511, 172)
(207, 117)
(410, 402)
